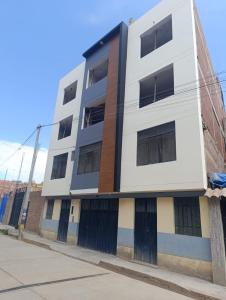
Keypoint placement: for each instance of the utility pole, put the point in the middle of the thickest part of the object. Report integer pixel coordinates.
(23, 212)
(6, 174)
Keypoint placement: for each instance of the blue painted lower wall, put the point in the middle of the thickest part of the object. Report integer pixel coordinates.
(52, 225)
(126, 237)
(186, 246)
(173, 244)
(73, 229)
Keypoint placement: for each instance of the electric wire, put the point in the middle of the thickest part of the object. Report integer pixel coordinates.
(19, 148)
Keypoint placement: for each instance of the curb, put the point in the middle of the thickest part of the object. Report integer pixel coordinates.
(162, 283)
(156, 281)
(39, 244)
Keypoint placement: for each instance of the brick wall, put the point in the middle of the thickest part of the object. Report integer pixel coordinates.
(35, 212)
(212, 106)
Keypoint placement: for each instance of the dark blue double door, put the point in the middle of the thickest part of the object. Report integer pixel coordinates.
(145, 243)
(98, 225)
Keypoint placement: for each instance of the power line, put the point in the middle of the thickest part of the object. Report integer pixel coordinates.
(184, 101)
(19, 148)
(134, 102)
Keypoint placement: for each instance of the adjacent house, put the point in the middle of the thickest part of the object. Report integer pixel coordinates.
(139, 125)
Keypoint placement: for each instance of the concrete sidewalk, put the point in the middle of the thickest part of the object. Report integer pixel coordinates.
(189, 286)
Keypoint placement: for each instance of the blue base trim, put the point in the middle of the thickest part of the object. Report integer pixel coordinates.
(73, 229)
(50, 225)
(184, 246)
(125, 237)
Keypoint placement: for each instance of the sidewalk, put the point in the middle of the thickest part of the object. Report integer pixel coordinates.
(189, 286)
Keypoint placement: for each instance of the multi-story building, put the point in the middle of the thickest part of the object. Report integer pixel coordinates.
(139, 124)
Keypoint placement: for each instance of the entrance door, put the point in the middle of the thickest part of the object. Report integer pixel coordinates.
(64, 220)
(16, 208)
(223, 213)
(145, 248)
(98, 224)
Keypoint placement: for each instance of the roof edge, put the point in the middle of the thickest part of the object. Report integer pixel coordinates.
(104, 40)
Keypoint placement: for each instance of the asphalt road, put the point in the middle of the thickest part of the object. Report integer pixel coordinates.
(32, 273)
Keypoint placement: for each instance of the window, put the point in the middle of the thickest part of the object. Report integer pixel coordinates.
(73, 155)
(157, 36)
(49, 211)
(94, 115)
(70, 92)
(187, 216)
(59, 166)
(156, 144)
(157, 86)
(98, 73)
(89, 158)
(65, 127)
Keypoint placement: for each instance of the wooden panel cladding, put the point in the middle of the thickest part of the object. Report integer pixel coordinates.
(107, 164)
(212, 106)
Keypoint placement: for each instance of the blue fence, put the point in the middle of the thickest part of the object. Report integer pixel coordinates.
(3, 206)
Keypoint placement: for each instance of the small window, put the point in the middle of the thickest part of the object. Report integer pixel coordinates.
(72, 210)
(70, 92)
(49, 211)
(157, 86)
(94, 115)
(59, 166)
(98, 73)
(73, 155)
(157, 36)
(187, 216)
(65, 128)
(156, 145)
(89, 158)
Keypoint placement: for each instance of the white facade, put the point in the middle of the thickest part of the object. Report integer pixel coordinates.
(188, 172)
(56, 147)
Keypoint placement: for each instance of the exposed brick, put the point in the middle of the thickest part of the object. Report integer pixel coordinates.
(211, 99)
(35, 212)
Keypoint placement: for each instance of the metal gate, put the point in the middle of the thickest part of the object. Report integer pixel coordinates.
(98, 224)
(3, 206)
(145, 246)
(64, 220)
(223, 213)
(17, 204)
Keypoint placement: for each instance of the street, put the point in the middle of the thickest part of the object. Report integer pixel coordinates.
(31, 272)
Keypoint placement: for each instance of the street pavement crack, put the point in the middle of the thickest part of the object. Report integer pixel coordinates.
(12, 276)
(26, 286)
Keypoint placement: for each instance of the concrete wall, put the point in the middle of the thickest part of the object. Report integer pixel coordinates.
(74, 222)
(49, 228)
(187, 254)
(125, 241)
(58, 187)
(188, 171)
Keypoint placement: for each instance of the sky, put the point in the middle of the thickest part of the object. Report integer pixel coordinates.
(41, 41)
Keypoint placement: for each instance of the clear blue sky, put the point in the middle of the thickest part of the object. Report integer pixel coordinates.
(42, 40)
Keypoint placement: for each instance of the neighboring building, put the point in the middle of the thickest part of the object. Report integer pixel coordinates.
(7, 186)
(139, 126)
(35, 210)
